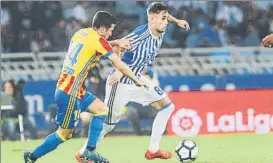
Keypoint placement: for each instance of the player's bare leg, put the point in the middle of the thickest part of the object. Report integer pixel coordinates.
(165, 107)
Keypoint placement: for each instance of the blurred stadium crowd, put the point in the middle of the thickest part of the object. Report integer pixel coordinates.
(47, 26)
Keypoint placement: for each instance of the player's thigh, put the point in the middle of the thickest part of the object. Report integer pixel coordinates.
(67, 112)
(154, 95)
(118, 96)
(97, 107)
(90, 103)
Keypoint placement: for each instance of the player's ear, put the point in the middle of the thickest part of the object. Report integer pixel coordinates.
(151, 18)
(103, 29)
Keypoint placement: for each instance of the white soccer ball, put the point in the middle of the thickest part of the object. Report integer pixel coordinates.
(186, 151)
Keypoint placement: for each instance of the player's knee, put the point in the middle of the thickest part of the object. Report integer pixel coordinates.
(162, 103)
(67, 135)
(103, 110)
(64, 134)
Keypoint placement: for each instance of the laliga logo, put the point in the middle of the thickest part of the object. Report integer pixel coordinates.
(186, 122)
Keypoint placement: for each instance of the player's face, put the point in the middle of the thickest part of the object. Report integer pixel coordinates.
(161, 21)
(108, 32)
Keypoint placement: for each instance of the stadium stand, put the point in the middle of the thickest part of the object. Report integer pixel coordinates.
(170, 62)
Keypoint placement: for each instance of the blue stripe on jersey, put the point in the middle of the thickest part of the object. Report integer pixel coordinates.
(143, 52)
(139, 40)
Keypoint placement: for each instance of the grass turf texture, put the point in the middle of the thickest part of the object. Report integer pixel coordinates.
(243, 148)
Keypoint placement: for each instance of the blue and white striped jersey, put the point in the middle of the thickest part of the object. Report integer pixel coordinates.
(144, 49)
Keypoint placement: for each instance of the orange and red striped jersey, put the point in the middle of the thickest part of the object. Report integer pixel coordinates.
(85, 50)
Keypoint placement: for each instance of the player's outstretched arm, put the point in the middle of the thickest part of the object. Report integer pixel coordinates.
(124, 69)
(122, 43)
(181, 23)
(115, 77)
(268, 41)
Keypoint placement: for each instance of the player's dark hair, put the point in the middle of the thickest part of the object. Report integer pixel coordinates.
(103, 19)
(156, 7)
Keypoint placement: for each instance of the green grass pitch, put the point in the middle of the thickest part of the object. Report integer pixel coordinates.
(243, 148)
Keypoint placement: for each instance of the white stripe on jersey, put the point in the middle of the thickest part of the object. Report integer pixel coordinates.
(144, 50)
(137, 41)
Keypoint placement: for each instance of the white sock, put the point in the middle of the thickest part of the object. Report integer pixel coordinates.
(106, 128)
(159, 126)
(83, 147)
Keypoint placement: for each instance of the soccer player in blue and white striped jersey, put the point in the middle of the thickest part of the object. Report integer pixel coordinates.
(146, 41)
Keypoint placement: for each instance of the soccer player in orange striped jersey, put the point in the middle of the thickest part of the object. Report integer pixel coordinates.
(74, 72)
(87, 47)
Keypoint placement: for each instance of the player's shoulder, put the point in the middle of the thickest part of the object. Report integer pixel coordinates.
(140, 29)
(103, 42)
(87, 32)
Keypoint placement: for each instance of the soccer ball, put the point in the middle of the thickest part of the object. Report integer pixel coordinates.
(186, 151)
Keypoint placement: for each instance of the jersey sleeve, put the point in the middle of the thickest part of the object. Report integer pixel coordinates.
(104, 48)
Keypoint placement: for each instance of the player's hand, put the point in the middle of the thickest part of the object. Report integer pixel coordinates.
(268, 41)
(125, 43)
(115, 77)
(183, 24)
(140, 83)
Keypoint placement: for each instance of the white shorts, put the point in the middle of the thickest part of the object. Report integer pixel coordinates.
(119, 94)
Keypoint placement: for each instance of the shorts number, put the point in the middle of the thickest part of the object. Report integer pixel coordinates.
(76, 115)
(73, 52)
(158, 90)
